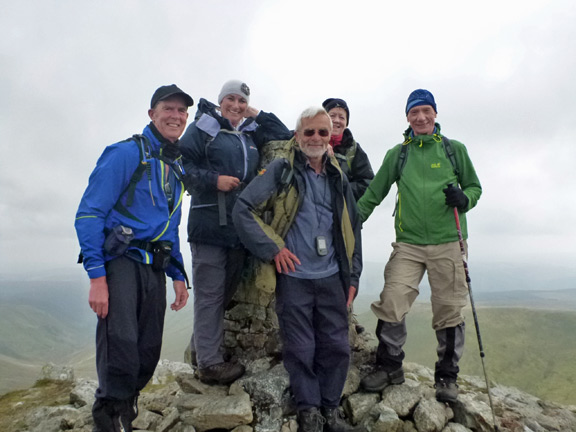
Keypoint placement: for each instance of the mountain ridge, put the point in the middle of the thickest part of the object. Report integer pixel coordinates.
(37, 315)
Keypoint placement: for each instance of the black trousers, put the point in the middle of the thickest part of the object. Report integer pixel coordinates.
(129, 339)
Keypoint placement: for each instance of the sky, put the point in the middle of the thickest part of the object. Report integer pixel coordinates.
(78, 75)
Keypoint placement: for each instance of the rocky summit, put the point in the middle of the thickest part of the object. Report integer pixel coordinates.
(176, 401)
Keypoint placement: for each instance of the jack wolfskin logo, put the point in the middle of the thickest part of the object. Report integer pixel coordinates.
(435, 165)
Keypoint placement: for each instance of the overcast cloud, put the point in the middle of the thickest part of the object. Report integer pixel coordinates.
(78, 75)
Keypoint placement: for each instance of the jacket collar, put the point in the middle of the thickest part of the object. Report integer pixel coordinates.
(209, 120)
(409, 134)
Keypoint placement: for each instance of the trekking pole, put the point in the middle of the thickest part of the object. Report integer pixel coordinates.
(469, 283)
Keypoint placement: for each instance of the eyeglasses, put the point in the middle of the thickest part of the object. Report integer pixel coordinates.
(322, 132)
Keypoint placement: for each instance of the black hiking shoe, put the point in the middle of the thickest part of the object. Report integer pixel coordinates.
(191, 358)
(113, 415)
(335, 422)
(380, 379)
(310, 420)
(446, 390)
(104, 415)
(222, 373)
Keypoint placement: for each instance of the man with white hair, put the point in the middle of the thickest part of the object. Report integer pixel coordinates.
(301, 215)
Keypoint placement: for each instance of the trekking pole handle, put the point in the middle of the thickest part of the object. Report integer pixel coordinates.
(457, 219)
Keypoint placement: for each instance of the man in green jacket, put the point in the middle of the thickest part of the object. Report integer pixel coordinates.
(426, 240)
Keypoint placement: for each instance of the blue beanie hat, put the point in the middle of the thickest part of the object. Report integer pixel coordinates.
(420, 97)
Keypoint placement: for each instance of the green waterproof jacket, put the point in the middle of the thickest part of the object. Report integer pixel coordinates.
(421, 215)
(267, 208)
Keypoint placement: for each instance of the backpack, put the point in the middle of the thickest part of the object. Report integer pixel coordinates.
(257, 273)
(447, 149)
(348, 157)
(146, 154)
(276, 149)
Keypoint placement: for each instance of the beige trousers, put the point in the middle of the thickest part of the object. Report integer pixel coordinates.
(404, 272)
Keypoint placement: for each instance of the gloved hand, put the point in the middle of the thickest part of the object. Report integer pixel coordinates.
(455, 197)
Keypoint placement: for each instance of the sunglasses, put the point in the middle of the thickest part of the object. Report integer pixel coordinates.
(322, 132)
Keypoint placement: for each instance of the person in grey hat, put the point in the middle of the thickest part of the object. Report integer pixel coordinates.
(127, 226)
(434, 176)
(220, 151)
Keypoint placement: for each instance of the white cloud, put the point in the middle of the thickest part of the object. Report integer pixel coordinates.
(78, 75)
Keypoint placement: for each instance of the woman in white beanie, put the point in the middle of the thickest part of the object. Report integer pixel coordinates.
(220, 151)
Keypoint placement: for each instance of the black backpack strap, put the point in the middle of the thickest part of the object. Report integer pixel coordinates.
(402, 157)
(450, 155)
(144, 165)
(221, 195)
(286, 176)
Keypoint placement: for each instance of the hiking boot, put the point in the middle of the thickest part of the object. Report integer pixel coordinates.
(446, 390)
(310, 420)
(191, 358)
(335, 422)
(379, 380)
(107, 417)
(222, 373)
(128, 413)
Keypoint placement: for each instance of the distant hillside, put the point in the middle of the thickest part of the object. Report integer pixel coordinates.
(34, 332)
(533, 350)
(50, 321)
(488, 278)
(528, 334)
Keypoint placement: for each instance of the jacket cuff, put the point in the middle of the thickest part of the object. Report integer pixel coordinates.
(96, 272)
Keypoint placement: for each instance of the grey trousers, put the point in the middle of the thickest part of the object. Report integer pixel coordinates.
(216, 273)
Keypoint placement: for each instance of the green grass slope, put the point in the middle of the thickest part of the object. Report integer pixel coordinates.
(32, 334)
(532, 350)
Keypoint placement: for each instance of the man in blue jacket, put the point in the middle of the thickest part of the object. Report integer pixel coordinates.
(127, 226)
(313, 238)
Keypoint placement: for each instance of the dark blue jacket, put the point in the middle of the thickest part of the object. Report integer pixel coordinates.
(212, 147)
(152, 218)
